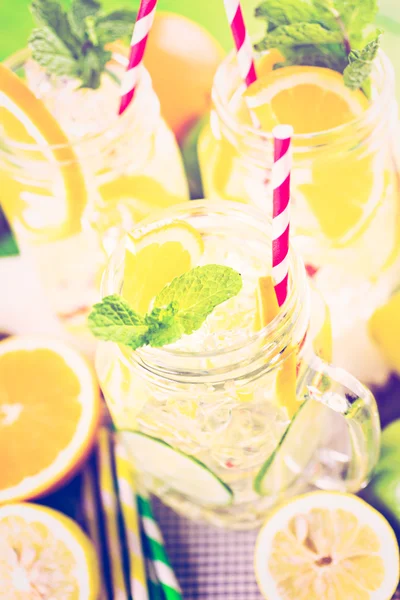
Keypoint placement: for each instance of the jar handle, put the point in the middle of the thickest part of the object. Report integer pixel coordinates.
(355, 411)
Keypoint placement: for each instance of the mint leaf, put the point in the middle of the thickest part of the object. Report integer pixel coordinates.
(360, 65)
(196, 293)
(92, 65)
(80, 10)
(115, 25)
(49, 13)
(52, 54)
(318, 32)
(114, 320)
(297, 35)
(288, 12)
(181, 307)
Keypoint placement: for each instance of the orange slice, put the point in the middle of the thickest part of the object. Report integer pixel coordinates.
(154, 256)
(24, 119)
(44, 554)
(285, 383)
(49, 410)
(311, 99)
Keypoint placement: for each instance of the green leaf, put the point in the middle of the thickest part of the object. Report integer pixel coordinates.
(356, 14)
(288, 12)
(299, 34)
(52, 54)
(49, 13)
(115, 25)
(330, 56)
(360, 65)
(114, 320)
(197, 292)
(181, 307)
(80, 10)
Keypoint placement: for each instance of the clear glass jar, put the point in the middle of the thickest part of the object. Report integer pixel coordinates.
(228, 407)
(345, 203)
(116, 169)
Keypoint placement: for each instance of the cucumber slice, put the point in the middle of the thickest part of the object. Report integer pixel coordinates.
(181, 472)
(294, 451)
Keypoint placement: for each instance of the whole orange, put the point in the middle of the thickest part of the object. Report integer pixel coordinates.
(182, 58)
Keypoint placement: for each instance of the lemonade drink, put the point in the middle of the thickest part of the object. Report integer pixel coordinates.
(229, 420)
(345, 190)
(68, 195)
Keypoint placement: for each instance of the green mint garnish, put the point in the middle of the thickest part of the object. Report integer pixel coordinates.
(323, 33)
(181, 307)
(71, 44)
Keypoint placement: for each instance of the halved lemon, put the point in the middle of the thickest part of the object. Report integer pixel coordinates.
(327, 546)
(311, 99)
(49, 411)
(154, 255)
(25, 120)
(44, 554)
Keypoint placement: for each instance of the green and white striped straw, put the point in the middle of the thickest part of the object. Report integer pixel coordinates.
(110, 508)
(153, 537)
(129, 509)
(154, 585)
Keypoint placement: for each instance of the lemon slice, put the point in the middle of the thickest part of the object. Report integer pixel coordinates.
(327, 546)
(285, 383)
(154, 256)
(44, 554)
(25, 120)
(311, 99)
(49, 411)
(383, 326)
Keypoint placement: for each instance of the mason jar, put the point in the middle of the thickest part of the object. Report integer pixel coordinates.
(68, 204)
(344, 203)
(223, 425)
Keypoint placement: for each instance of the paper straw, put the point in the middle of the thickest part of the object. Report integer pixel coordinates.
(159, 557)
(110, 508)
(244, 51)
(141, 30)
(154, 585)
(129, 509)
(92, 519)
(281, 209)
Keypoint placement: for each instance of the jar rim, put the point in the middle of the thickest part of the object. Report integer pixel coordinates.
(270, 333)
(382, 67)
(120, 123)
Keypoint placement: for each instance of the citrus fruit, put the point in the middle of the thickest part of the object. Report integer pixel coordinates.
(285, 383)
(327, 546)
(49, 410)
(154, 256)
(182, 58)
(384, 326)
(26, 121)
(311, 99)
(315, 100)
(44, 554)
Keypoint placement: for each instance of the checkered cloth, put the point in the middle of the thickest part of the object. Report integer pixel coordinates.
(210, 563)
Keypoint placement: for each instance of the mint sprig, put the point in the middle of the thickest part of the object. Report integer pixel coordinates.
(180, 308)
(323, 33)
(72, 44)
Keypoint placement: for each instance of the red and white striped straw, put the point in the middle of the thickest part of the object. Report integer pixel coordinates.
(141, 30)
(281, 209)
(244, 50)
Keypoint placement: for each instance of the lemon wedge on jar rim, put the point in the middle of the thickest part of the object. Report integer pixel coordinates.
(327, 546)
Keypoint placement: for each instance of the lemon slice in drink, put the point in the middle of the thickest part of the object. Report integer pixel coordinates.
(327, 546)
(344, 185)
(154, 255)
(44, 554)
(25, 120)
